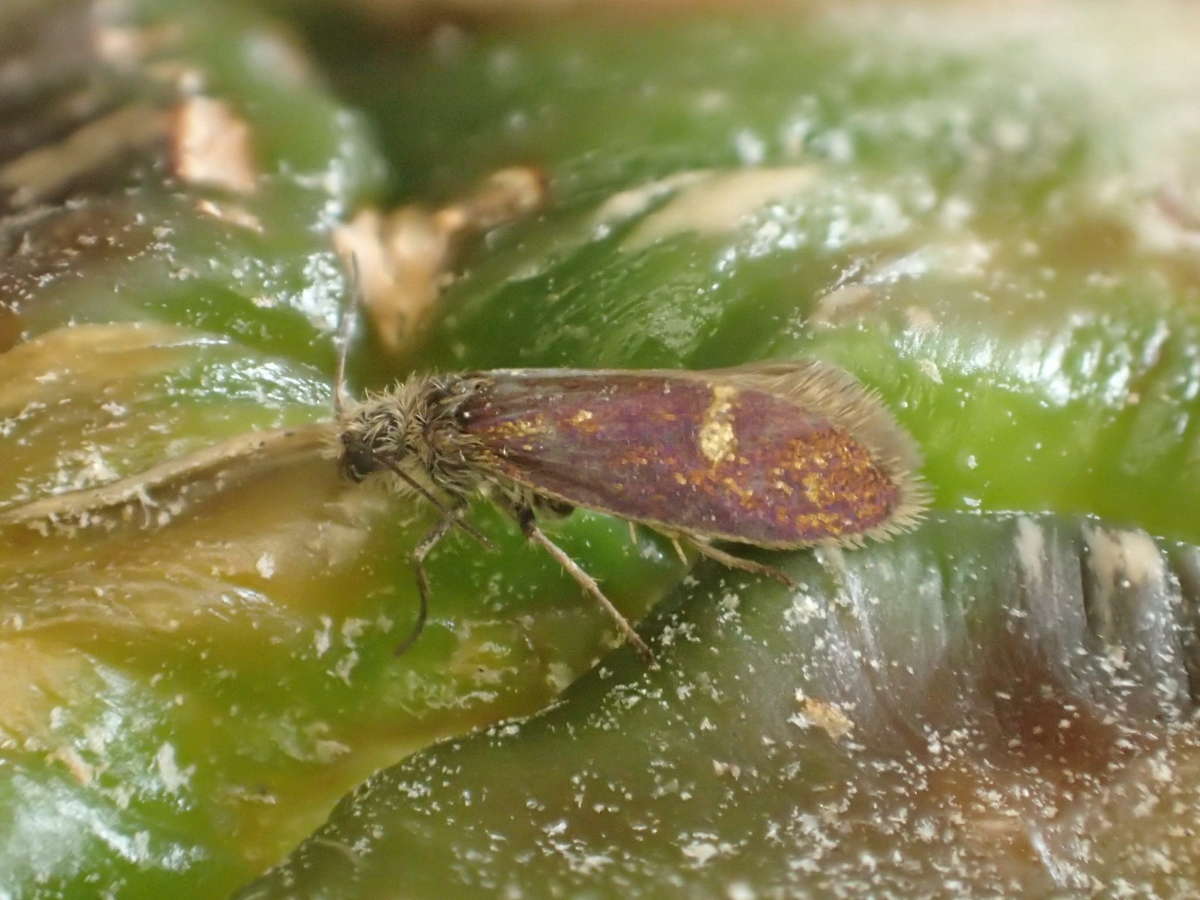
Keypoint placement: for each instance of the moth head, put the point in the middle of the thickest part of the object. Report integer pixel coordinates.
(358, 458)
(377, 435)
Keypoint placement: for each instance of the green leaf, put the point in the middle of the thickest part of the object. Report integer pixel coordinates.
(985, 218)
(991, 702)
(940, 208)
(108, 170)
(206, 672)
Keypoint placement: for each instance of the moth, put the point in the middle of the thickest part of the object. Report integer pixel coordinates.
(777, 455)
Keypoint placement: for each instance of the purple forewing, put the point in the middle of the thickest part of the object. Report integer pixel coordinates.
(694, 452)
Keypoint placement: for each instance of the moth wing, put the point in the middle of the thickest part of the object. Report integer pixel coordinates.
(847, 402)
(809, 383)
(783, 454)
(836, 394)
(184, 479)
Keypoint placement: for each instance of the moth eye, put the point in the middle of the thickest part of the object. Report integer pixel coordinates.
(357, 461)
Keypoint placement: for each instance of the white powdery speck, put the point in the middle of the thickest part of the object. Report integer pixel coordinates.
(700, 851)
(1031, 550)
(173, 777)
(323, 639)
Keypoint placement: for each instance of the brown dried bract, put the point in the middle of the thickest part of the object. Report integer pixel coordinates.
(406, 257)
(43, 173)
(217, 467)
(211, 146)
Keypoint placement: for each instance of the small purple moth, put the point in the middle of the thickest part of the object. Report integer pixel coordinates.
(776, 455)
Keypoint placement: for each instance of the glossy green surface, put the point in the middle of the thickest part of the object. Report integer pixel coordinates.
(968, 212)
(991, 705)
(200, 682)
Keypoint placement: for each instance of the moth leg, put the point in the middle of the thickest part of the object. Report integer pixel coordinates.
(530, 528)
(418, 559)
(632, 530)
(548, 506)
(736, 562)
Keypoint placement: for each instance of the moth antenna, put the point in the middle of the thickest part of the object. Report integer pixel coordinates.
(437, 504)
(352, 298)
